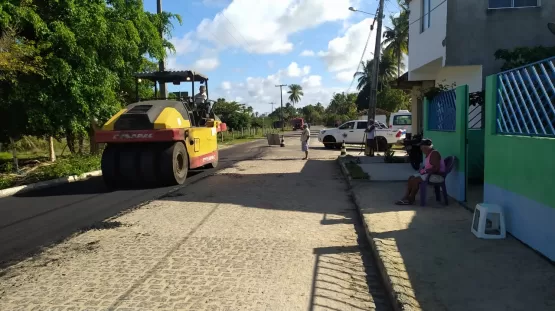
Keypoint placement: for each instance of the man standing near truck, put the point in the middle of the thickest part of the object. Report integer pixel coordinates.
(305, 136)
(370, 141)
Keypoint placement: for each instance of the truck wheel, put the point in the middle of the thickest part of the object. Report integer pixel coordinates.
(215, 163)
(128, 165)
(147, 165)
(174, 164)
(109, 166)
(329, 142)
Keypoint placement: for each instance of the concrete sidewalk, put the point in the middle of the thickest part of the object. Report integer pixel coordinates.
(431, 260)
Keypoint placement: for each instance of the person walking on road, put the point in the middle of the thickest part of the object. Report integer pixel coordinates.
(305, 137)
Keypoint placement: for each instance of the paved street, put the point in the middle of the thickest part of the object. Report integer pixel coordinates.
(273, 233)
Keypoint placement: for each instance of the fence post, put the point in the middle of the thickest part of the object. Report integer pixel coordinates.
(489, 111)
(425, 113)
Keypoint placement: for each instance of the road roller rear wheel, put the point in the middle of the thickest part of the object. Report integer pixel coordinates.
(174, 164)
(148, 165)
(109, 166)
(129, 165)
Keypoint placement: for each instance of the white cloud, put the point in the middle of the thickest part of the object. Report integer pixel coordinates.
(185, 44)
(343, 54)
(311, 81)
(307, 53)
(206, 64)
(294, 71)
(344, 76)
(226, 85)
(259, 92)
(172, 64)
(265, 28)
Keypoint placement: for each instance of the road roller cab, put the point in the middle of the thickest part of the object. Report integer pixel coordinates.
(156, 141)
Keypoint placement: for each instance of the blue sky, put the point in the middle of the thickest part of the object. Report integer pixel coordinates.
(247, 46)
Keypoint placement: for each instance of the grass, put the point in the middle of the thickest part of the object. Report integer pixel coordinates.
(356, 171)
(238, 137)
(41, 171)
(34, 165)
(240, 140)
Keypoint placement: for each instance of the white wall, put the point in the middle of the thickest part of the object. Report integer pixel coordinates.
(461, 75)
(425, 47)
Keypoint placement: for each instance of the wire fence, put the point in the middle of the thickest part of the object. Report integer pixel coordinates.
(246, 133)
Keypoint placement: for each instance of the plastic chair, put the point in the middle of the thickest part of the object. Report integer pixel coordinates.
(449, 163)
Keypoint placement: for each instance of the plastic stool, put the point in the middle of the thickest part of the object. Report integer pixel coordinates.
(483, 213)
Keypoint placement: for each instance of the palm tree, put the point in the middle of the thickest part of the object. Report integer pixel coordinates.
(295, 93)
(397, 37)
(386, 71)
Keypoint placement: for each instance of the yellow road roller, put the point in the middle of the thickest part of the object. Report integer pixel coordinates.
(154, 142)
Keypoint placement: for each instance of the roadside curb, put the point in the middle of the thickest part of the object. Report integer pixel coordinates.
(389, 272)
(48, 183)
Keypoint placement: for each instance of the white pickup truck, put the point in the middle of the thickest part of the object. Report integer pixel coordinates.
(353, 133)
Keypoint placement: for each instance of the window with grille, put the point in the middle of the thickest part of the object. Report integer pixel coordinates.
(505, 4)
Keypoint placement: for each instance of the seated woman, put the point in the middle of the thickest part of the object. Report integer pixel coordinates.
(433, 164)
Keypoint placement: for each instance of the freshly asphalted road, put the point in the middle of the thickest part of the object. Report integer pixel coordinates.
(37, 219)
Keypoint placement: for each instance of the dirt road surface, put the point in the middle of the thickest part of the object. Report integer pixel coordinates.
(272, 233)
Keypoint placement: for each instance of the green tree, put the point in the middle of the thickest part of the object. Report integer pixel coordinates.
(91, 50)
(234, 114)
(397, 37)
(342, 107)
(295, 93)
(386, 71)
(522, 56)
(312, 114)
(18, 56)
(289, 112)
(386, 74)
(390, 99)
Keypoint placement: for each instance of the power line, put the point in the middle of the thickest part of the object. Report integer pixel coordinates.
(363, 52)
(361, 58)
(240, 34)
(418, 19)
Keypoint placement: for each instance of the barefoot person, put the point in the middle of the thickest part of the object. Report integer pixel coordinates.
(305, 137)
(433, 164)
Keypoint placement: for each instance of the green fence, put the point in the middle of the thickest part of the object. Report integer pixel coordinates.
(520, 167)
(448, 138)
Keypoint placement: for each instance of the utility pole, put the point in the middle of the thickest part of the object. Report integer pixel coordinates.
(161, 65)
(272, 103)
(281, 110)
(376, 67)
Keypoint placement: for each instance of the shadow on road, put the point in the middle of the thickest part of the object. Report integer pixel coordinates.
(336, 271)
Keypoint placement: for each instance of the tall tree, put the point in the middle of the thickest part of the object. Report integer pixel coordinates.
(295, 93)
(386, 71)
(397, 37)
(91, 50)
